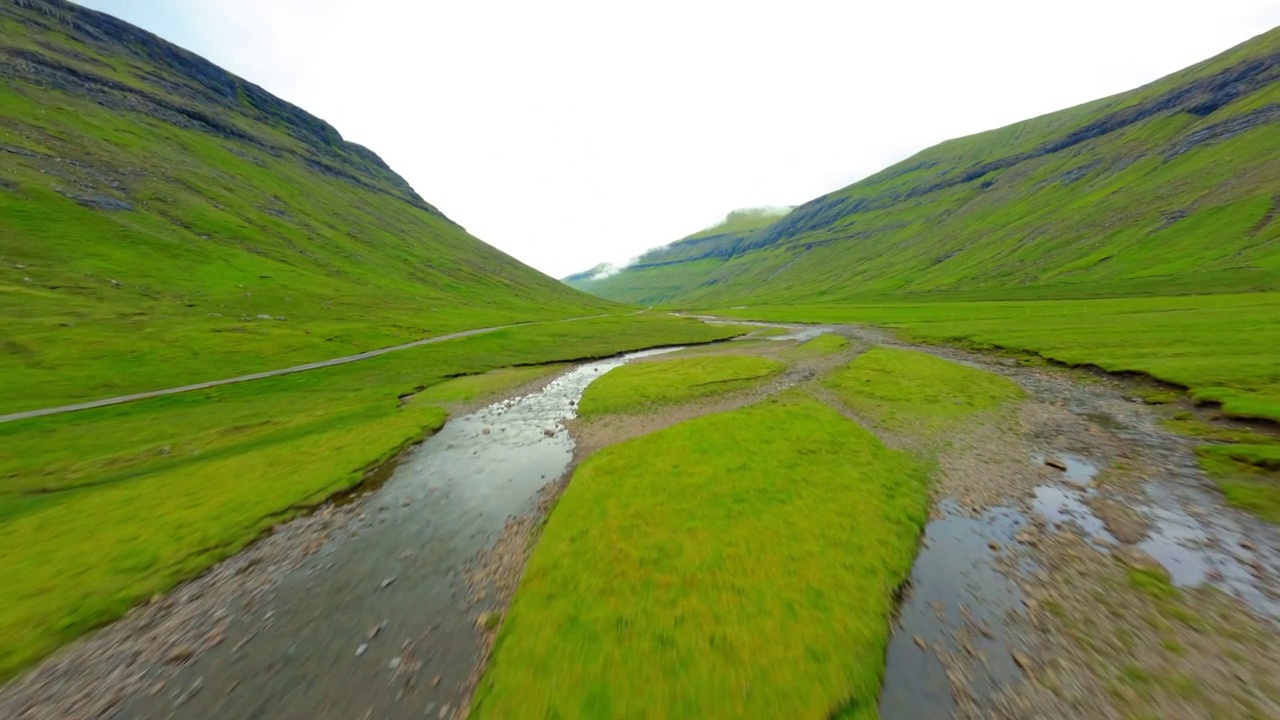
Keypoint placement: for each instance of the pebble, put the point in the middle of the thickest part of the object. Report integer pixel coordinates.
(387, 581)
(361, 650)
(1022, 660)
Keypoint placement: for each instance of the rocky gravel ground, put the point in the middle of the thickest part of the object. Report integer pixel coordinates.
(1139, 593)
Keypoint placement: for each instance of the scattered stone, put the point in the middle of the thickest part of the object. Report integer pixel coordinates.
(1022, 661)
(362, 649)
(1056, 463)
(994, 545)
(920, 643)
(387, 582)
(181, 654)
(394, 664)
(93, 200)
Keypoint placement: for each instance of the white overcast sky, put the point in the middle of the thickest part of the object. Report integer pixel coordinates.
(571, 132)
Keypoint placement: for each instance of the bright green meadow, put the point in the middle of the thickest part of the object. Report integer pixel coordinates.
(909, 390)
(741, 565)
(639, 386)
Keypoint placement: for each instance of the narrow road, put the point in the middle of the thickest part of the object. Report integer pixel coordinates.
(274, 373)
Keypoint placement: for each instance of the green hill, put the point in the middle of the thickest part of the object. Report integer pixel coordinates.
(1170, 188)
(663, 273)
(163, 221)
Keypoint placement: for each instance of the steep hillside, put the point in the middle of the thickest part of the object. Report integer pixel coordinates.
(1170, 188)
(665, 272)
(163, 221)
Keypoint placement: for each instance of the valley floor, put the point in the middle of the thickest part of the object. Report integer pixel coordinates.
(1077, 561)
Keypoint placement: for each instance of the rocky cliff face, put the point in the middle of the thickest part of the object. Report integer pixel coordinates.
(177, 87)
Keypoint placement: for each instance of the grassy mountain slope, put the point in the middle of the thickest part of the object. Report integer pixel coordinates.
(1171, 188)
(163, 221)
(664, 272)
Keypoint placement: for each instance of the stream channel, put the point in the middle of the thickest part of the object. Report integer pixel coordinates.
(383, 624)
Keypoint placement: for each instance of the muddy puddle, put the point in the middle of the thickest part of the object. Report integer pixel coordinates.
(1188, 535)
(383, 624)
(956, 605)
(952, 638)
(1200, 546)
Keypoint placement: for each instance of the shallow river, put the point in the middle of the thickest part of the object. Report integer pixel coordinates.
(382, 624)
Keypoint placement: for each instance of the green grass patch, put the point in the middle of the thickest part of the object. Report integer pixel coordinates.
(827, 344)
(1258, 496)
(742, 564)
(1186, 423)
(1263, 457)
(1152, 581)
(1152, 396)
(905, 389)
(641, 385)
(1247, 475)
(102, 508)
